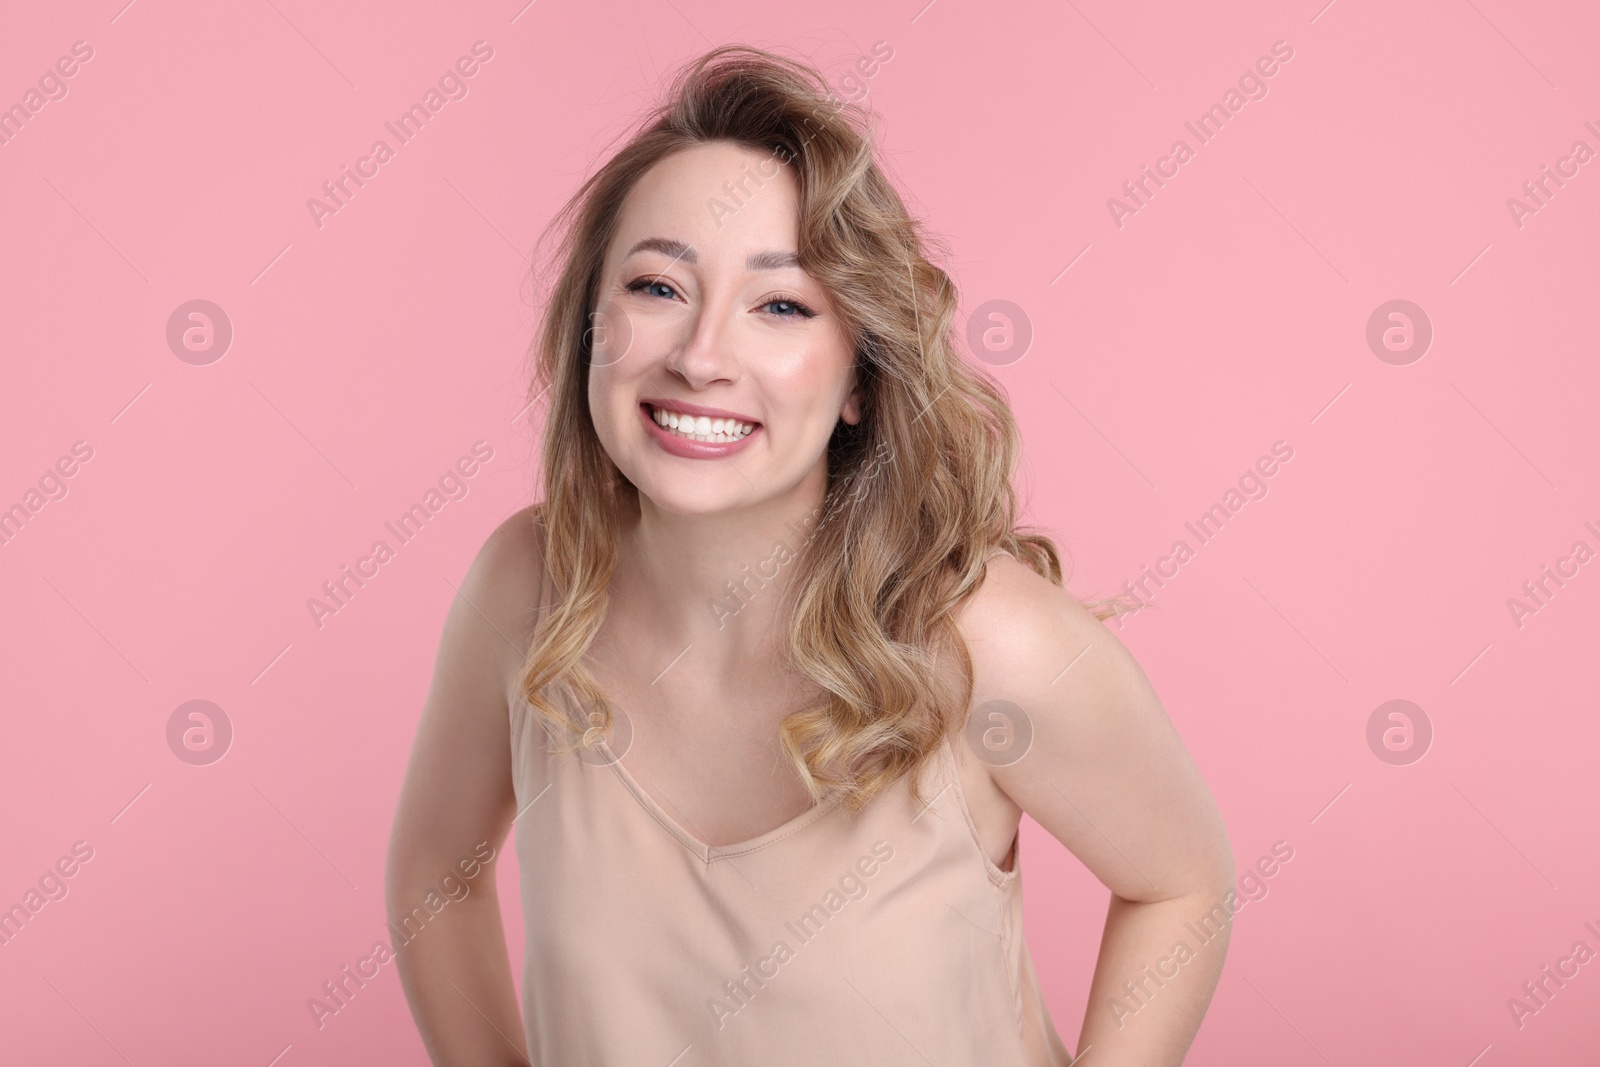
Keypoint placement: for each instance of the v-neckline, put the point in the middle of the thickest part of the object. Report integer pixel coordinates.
(708, 854)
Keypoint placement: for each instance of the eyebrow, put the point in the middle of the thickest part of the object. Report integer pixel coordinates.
(678, 250)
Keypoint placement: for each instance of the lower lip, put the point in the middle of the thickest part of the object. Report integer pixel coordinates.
(689, 449)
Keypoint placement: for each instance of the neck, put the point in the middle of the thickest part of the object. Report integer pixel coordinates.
(715, 583)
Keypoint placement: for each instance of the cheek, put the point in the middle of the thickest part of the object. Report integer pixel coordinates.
(614, 393)
(789, 398)
(607, 387)
(613, 332)
(604, 395)
(815, 388)
(813, 374)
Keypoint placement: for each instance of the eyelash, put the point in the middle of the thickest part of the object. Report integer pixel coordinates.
(802, 310)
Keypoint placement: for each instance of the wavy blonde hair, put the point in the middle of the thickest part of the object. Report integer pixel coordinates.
(918, 493)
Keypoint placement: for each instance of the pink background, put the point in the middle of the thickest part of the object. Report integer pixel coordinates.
(1228, 313)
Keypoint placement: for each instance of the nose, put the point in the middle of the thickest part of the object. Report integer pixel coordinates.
(706, 352)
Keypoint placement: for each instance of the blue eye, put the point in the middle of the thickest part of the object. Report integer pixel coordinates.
(800, 310)
(655, 286)
(649, 283)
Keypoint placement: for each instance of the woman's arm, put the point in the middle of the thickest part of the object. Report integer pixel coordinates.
(451, 953)
(1107, 774)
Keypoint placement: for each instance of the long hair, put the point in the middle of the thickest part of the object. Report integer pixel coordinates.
(918, 492)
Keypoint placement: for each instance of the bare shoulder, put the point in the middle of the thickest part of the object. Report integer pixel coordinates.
(502, 588)
(1099, 759)
(1019, 625)
(460, 782)
(513, 554)
(1036, 646)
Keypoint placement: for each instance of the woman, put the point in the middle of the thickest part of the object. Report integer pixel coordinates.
(767, 680)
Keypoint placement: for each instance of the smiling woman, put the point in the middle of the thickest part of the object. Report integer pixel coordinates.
(706, 315)
(685, 784)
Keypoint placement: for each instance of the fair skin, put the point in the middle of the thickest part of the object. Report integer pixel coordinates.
(1107, 775)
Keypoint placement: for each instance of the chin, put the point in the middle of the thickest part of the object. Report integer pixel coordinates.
(686, 500)
(688, 488)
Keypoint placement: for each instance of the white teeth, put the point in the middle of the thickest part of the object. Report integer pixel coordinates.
(702, 428)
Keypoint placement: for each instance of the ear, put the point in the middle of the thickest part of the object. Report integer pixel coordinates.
(850, 412)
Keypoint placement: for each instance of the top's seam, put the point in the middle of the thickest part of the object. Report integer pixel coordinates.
(1000, 879)
(707, 854)
(817, 812)
(695, 847)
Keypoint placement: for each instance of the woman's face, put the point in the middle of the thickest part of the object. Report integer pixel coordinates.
(702, 315)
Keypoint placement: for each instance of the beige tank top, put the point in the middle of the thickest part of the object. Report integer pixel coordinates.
(888, 937)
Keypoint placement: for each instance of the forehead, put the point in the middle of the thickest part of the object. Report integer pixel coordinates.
(722, 199)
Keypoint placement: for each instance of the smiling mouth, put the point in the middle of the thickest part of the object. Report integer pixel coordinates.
(700, 428)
